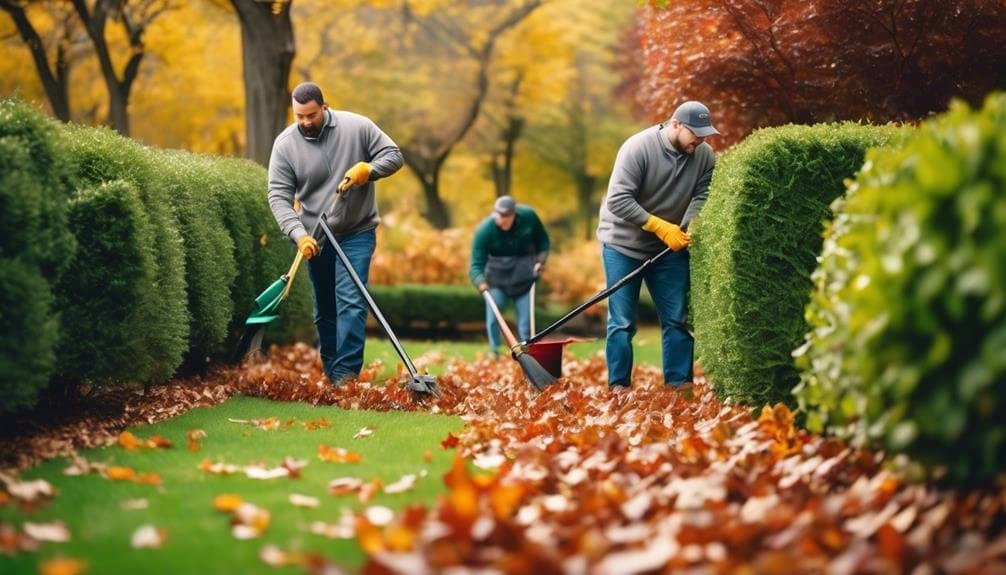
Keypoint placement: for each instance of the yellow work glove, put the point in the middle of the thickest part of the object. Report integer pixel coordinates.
(669, 233)
(358, 175)
(308, 247)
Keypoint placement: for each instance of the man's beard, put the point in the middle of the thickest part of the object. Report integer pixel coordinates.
(310, 131)
(676, 142)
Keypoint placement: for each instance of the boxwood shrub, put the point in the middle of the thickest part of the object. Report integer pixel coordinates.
(908, 347)
(755, 245)
(188, 182)
(99, 155)
(108, 298)
(261, 252)
(35, 247)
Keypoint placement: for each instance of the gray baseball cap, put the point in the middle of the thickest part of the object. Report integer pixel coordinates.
(505, 206)
(695, 115)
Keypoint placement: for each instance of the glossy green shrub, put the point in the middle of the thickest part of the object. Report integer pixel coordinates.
(755, 245)
(908, 347)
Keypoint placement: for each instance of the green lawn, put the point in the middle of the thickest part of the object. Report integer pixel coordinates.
(200, 539)
(646, 344)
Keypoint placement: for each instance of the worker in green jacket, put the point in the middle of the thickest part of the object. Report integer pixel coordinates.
(508, 253)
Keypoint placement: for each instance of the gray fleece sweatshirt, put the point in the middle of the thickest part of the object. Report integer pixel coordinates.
(651, 177)
(310, 169)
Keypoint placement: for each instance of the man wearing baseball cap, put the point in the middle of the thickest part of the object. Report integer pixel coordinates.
(658, 184)
(508, 252)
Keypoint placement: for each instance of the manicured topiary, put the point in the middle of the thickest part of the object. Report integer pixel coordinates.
(109, 294)
(28, 334)
(261, 252)
(755, 245)
(209, 251)
(98, 155)
(908, 348)
(33, 190)
(35, 247)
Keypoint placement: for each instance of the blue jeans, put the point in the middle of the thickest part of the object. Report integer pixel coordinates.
(522, 304)
(667, 281)
(340, 310)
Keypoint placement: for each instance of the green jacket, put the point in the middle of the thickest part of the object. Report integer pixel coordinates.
(504, 259)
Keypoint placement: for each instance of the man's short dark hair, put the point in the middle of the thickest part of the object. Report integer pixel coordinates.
(307, 91)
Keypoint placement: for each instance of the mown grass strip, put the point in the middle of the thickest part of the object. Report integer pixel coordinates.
(199, 537)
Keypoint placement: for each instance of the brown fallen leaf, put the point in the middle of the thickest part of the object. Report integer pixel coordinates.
(62, 566)
(193, 438)
(54, 531)
(148, 536)
(344, 486)
(337, 455)
(227, 502)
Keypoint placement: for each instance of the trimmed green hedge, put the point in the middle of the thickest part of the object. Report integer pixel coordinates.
(209, 251)
(756, 244)
(29, 331)
(261, 251)
(446, 309)
(35, 248)
(98, 155)
(109, 297)
(908, 348)
(444, 306)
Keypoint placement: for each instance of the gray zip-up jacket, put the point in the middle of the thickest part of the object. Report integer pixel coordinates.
(311, 168)
(651, 177)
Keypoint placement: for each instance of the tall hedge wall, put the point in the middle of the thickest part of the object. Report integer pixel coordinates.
(99, 155)
(755, 246)
(35, 247)
(159, 261)
(209, 250)
(908, 347)
(109, 297)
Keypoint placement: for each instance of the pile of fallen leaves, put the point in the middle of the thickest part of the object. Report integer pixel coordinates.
(576, 479)
(96, 419)
(580, 479)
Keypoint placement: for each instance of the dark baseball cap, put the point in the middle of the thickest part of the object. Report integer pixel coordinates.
(505, 206)
(695, 115)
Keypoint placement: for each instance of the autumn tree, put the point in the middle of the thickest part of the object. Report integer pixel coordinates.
(561, 102)
(267, 49)
(133, 18)
(421, 69)
(54, 48)
(759, 63)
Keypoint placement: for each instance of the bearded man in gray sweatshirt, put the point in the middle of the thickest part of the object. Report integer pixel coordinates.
(310, 159)
(658, 184)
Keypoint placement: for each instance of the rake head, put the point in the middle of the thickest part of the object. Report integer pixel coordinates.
(423, 384)
(538, 376)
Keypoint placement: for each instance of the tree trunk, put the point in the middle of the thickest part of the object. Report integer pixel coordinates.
(53, 81)
(426, 165)
(95, 22)
(267, 48)
(585, 184)
(437, 212)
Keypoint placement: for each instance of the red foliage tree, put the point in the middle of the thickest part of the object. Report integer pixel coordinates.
(761, 63)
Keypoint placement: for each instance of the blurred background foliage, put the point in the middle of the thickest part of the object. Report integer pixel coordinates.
(486, 97)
